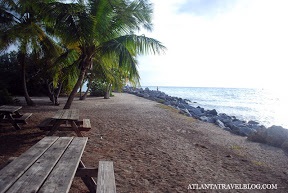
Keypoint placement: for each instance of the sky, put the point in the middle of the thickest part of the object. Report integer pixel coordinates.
(218, 43)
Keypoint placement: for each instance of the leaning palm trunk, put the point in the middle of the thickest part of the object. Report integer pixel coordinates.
(108, 91)
(26, 94)
(85, 94)
(85, 63)
(75, 89)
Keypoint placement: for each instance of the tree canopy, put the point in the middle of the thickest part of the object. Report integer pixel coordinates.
(72, 39)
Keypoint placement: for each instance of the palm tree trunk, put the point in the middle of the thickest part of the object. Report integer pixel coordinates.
(56, 96)
(23, 66)
(108, 91)
(75, 89)
(86, 93)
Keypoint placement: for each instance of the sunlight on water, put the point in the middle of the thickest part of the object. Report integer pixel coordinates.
(267, 106)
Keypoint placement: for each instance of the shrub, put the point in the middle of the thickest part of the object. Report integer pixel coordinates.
(5, 97)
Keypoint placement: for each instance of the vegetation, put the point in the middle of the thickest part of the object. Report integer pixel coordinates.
(71, 43)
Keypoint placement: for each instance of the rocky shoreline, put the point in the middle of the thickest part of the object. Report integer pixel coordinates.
(275, 135)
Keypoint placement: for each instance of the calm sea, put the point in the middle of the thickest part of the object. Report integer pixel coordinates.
(268, 107)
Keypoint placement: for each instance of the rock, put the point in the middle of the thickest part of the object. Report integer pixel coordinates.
(220, 124)
(207, 119)
(146, 95)
(284, 145)
(196, 112)
(253, 122)
(185, 112)
(201, 109)
(240, 128)
(276, 135)
(224, 118)
(212, 112)
(259, 136)
(181, 106)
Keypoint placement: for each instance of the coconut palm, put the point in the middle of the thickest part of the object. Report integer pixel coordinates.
(103, 29)
(22, 26)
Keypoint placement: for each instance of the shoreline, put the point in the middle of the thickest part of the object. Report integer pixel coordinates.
(274, 135)
(154, 148)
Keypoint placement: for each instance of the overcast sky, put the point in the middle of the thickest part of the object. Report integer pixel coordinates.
(218, 43)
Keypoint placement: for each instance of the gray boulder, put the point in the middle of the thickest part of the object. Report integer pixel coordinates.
(284, 145)
(259, 136)
(195, 112)
(220, 123)
(185, 112)
(276, 135)
(207, 119)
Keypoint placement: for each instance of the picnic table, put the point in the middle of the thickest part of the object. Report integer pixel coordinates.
(51, 165)
(66, 120)
(11, 115)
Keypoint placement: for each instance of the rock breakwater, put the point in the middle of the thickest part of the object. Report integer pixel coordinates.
(254, 131)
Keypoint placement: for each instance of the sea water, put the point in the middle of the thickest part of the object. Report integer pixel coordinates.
(266, 106)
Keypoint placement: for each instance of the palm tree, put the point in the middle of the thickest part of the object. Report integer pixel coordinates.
(100, 29)
(22, 26)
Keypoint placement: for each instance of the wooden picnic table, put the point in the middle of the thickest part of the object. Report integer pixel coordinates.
(66, 120)
(51, 165)
(11, 115)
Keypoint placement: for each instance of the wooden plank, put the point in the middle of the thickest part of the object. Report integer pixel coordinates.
(46, 123)
(58, 114)
(62, 175)
(76, 130)
(75, 114)
(56, 125)
(67, 114)
(34, 177)
(86, 123)
(106, 179)
(16, 168)
(9, 109)
(23, 118)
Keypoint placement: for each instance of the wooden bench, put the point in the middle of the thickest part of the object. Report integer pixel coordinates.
(48, 123)
(10, 114)
(106, 179)
(84, 125)
(23, 118)
(50, 166)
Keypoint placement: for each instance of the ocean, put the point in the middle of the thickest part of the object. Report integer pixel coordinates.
(266, 106)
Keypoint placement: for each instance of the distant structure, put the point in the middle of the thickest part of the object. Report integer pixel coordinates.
(157, 88)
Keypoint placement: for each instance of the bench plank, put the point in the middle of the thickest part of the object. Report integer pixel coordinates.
(37, 173)
(46, 123)
(106, 179)
(14, 170)
(23, 118)
(61, 178)
(85, 125)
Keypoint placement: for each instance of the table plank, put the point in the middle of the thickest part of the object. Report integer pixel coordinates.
(67, 114)
(58, 114)
(38, 172)
(16, 168)
(75, 114)
(9, 109)
(62, 175)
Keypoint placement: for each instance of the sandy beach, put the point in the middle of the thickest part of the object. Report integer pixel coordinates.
(154, 148)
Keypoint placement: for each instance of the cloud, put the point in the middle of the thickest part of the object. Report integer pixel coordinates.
(205, 7)
(244, 46)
